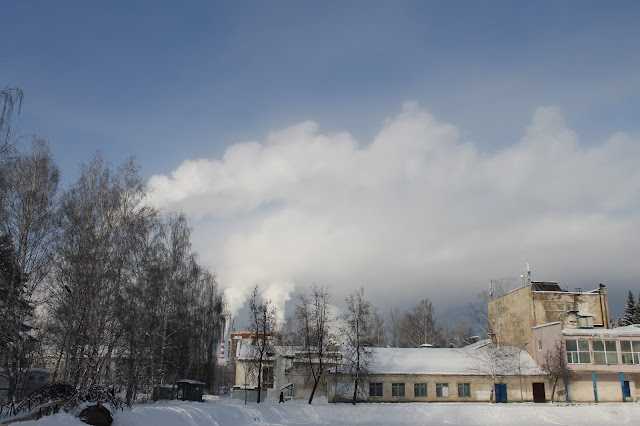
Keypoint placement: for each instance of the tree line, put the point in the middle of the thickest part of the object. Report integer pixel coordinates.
(94, 282)
(325, 339)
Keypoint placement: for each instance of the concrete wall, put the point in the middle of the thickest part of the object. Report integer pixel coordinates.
(550, 306)
(296, 374)
(247, 373)
(608, 385)
(545, 338)
(513, 315)
(580, 375)
(481, 388)
(511, 318)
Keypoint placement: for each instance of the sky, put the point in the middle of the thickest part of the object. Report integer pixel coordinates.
(416, 148)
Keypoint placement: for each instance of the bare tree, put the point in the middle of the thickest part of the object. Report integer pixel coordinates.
(263, 324)
(378, 329)
(493, 361)
(458, 334)
(555, 365)
(492, 326)
(10, 98)
(394, 327)
(314, 320)
(419, 326)
(358, 332)
(27, 210)
(28, 226)
(127, 288)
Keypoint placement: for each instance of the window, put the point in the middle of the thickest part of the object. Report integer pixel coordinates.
(442, 390)
(578, 352)
(397, 389)
(630, 351)
(539, 345)
(585, 321)
(420, 390)
(267, 377)
(464, 390)
(375, 389)
(605, 352)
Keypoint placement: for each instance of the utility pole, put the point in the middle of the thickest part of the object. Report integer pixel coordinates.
(520, 369)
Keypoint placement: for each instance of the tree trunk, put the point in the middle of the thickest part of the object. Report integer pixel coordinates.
(259, 379)
(313, 391)
(355, 391)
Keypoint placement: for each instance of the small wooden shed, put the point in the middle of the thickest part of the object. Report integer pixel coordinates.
(190, 390)
(164, 392)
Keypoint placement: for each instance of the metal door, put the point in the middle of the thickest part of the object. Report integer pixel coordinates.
(501, 392)
(626, 389)
(538, 392)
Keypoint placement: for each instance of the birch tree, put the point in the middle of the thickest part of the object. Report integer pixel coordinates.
(314, 321)
(263, 324)
(10, 98)
(419, 326)
(28, 192)
(358, 333)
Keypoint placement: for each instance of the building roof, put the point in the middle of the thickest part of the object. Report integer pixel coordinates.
(469, 360)
(628, 331)
(247, 352)
(191, 382)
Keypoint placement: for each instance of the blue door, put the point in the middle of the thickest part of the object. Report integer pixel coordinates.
(626, 390)
(501, 392)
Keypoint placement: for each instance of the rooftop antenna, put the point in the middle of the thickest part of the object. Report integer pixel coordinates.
(528, 274)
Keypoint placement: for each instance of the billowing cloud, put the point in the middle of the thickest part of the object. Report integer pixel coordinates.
(416, 212)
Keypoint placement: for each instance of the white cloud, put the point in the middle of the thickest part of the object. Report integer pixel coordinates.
(415, 213)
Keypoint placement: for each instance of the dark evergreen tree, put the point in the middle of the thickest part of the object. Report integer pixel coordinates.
(630, 312)
(15, 316)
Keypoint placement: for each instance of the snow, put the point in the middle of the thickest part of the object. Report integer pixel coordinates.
(190, 381)
(628, 330)
(226, 411)
(246, 351)
(443, 360)
(546, 325)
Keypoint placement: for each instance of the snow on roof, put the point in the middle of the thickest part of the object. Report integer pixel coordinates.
(288, 385)
(628, 330)
(248, 351)
(467, 360)
(190, 381)
(546, 325)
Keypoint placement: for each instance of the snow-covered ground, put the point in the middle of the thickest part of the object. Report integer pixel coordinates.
(227, 411)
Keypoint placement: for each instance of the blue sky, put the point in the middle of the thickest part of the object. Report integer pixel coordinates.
(176, 81)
